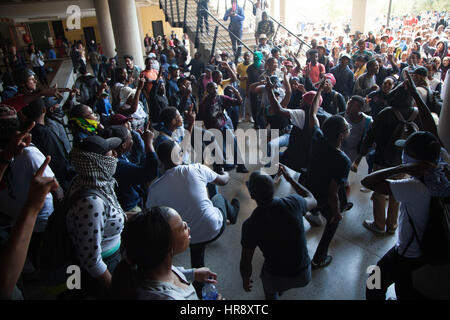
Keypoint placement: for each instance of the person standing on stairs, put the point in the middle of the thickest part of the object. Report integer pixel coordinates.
(237, 17)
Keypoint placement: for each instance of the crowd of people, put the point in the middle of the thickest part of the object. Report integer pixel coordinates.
(117, 184)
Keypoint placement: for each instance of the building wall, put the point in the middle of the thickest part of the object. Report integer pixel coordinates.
(154, 13)
(78, 34)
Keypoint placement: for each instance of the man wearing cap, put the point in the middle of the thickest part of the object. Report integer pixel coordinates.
(171, 83)
(362, 50)
(422, 161)
(333, 101)
(323, 57)
(237, 17)
(204, 79)
(265, 27)
(344, 76)
(130, 175)
(419, 76)
(262, 43)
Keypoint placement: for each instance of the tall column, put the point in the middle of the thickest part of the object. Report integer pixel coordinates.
(126, 30)
(444, 117)
(359, 13)
(105, 27)
(283, 12)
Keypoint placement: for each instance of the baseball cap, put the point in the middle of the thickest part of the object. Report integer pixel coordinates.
(331, 77)
(424, 145)
(276, 81)
(152, 55)
(119, 119)
(263, 36)
(224, 53)
(173, 67)
(421, 71)
(50, 102)
(99, 145)
(309, 97)
(384, 35)
(345, 55)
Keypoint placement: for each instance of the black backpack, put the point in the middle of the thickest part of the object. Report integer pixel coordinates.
(57, 250)
(404, 128)
(435, 244)
(434, 101)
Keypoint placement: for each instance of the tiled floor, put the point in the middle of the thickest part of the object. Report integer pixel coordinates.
(353, 249)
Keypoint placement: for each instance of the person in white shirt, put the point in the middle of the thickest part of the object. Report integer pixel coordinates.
(421, 160)
(183, 188)
(37, 62)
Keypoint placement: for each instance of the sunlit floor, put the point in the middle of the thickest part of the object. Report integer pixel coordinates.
(353, 249)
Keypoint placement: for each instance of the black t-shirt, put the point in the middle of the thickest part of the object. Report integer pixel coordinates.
(326, 163)
(382, 131)
(254, 73)
(279, 232)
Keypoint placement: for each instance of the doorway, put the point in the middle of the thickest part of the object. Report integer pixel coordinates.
(58, 29)
(158, 29)
(89, 35)
(39, 34)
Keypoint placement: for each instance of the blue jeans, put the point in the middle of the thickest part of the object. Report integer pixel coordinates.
(233, 113)
(236, 155)
(237, 47)
(281, 141)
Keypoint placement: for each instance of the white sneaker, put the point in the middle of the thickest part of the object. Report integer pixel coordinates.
(365, 190)
(314, 219)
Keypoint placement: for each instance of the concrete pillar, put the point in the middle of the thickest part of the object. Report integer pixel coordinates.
(444, 118)
(359, 13)
(272, 8)
(126, 30)
(105, 27)
(283, 12)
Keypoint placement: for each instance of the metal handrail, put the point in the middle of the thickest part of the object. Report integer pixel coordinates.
(224, 27)
(280, 25)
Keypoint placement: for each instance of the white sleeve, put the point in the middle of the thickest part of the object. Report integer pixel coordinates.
(404, 188)
(297, 117)
(207, 173)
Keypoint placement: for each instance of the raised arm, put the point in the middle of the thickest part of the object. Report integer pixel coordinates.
(313, 120)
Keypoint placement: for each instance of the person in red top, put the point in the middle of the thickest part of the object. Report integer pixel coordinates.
(150, 75)
(314, 70)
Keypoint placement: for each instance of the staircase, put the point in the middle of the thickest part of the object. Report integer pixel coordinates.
(183, 14)
(175, 14)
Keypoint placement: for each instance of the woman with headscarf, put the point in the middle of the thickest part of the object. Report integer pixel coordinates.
(95, 219)
(83, 122)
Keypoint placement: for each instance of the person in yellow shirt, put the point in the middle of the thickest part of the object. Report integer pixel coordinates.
(360, 66)
(242, 76)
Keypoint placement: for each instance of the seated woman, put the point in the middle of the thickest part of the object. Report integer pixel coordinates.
(149, 274)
